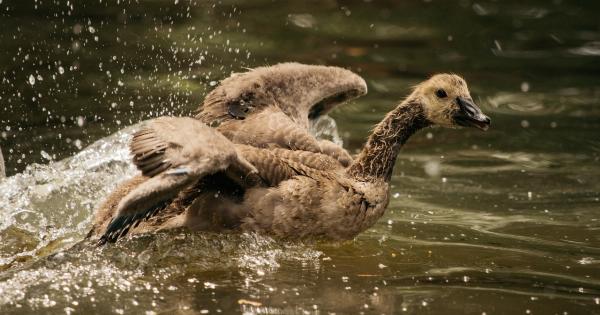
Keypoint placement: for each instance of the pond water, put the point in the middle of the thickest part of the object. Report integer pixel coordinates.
(502, 222)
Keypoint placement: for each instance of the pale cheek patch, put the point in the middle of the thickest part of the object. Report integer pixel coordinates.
(440, 116)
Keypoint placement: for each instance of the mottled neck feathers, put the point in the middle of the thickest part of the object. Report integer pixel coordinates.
(376, 160)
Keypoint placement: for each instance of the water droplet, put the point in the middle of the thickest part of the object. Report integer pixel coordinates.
(302, 20)
(77, 29)
(209, 285)
(498, 46)
(61, 70)
(432, 168)
(45, 155)
(525, 87)
(479, 10)
(31, 79)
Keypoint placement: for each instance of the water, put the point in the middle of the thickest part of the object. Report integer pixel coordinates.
(502, 222)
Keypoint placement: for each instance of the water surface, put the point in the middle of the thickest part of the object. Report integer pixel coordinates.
(502, 222)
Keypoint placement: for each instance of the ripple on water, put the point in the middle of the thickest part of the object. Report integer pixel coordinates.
(147, 267)
(589, 49)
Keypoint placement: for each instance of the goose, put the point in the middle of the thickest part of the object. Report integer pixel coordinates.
(269, 107)
(194, 176)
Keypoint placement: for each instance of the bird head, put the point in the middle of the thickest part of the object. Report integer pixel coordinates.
(447, 102)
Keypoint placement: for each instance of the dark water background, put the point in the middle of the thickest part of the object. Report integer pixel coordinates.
(503, 222)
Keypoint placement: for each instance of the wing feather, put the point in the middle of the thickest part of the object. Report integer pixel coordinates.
(175, 153)
(272, 106)
(300, 91)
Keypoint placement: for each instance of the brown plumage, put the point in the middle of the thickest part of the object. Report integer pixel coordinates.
(272, 106)
(174, 153)
(301, 92)
(295, 193)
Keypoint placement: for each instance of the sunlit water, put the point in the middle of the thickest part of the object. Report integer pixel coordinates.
(502, 222)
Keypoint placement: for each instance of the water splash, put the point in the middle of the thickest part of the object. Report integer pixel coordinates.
(49, 206)
(46, 212)
(325, 127)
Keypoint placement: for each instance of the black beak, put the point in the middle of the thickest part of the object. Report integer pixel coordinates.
(469, 115)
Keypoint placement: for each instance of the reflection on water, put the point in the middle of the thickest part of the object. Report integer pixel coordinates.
(502, 222)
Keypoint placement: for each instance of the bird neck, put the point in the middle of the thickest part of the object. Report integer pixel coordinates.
(377, 158)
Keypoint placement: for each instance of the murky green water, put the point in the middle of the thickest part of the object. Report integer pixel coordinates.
(503, 222)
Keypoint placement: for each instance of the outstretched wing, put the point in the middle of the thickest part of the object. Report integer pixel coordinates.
(174, 153)
(302, 92)
(272, 106)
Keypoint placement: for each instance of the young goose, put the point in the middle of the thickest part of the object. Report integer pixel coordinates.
(273, 106)
(285, 193)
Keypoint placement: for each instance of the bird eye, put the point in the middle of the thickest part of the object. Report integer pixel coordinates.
(441, 93)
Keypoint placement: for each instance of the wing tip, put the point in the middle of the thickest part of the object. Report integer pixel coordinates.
(120, 225)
